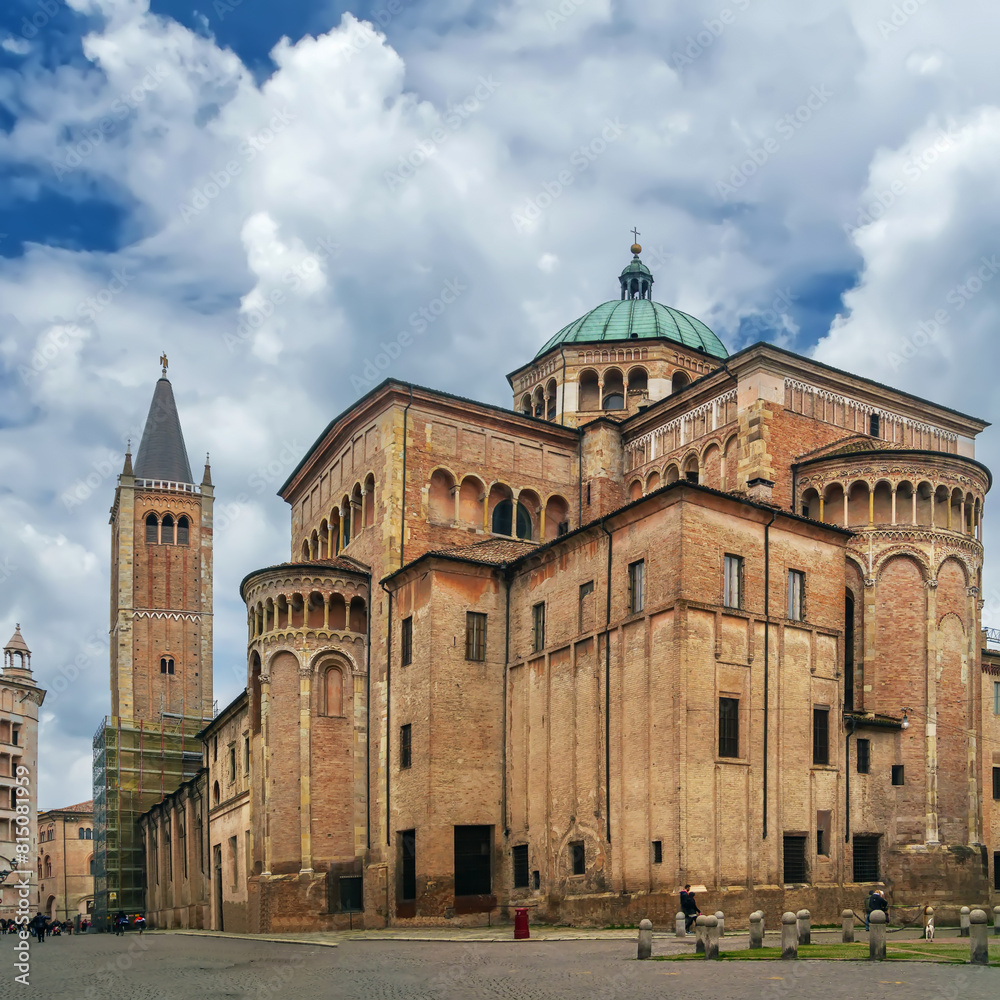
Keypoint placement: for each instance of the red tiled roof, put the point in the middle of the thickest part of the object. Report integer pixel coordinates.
(80, 807)
(494, 551)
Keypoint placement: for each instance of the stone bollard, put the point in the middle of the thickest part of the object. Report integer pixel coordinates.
(876, 936)
(789, 936)
(680, 925)
(721, 917)
(757, 929)
(847, 926)
(711, 937)
(700, 934)
(996, 919)
(645, 939)
(979, 949)
(804, 923)
(963, 930)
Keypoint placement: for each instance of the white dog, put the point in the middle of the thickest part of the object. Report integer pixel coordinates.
(929, 930)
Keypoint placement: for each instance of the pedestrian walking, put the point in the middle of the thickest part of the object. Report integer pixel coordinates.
(689, 908)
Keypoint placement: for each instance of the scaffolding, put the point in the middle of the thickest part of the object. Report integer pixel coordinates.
(136, 764)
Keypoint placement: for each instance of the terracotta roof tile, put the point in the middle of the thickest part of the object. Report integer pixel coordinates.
(494, 551)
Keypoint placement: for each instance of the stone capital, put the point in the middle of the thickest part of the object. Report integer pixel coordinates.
(931, 584)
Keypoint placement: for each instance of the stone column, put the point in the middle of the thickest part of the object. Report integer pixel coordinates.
(721, 918)
(757, 929)
(645, 939)
(701, 934)
(711, 937)
(963, 930)
(305, 800)
(876, 936)
(979, 953)
(789, 936)
(847, 926)
(680, 929)
(803, 921)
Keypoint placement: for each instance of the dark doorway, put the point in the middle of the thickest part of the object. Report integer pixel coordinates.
(473, 847)
(866, 867)
(217, 859)
(408, 867)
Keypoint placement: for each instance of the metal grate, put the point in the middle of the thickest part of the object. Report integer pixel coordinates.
(864, 756)
(795, 859)
(520, 854)
(352, 894)
(866, 868)
(729, 727)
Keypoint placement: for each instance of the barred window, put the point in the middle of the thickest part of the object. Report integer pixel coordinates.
(864, 756)
(405, 746)
(406, 642)
(796, 595)
(475, 636)
(732, 582)
(520, 856)
(729, 727)
(821, 736)
(538, 627)
(636, 587)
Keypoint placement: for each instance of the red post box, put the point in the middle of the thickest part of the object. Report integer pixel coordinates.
(521, 923)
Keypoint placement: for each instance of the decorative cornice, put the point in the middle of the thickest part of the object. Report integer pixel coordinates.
(677, 422)
(175, 616)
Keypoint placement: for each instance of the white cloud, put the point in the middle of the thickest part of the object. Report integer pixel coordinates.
(16, 46)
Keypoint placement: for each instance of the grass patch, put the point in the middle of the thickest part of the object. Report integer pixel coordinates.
(944, 952)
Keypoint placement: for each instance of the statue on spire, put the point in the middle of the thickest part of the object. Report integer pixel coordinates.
(164, 362)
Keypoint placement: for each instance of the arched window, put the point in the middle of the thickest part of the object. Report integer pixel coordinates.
(369, 500)
(614, 390)
(550, 403)
(166, 664)
(345, 512)
(502, 514)
(183, 530)
(333, 691)
(152, 530)
(81, 834)
(678, 381)
(90, 862)
(48, 866)
(215, 793)
(167, 530)
(89, 833)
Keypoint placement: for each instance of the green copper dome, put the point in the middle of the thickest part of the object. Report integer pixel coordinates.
(637, 317)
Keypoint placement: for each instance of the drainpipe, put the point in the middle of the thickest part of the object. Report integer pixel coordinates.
(388, 707)
(847, 781)
(368, 720)
(767, 650)
(506, 668)
(607, 692)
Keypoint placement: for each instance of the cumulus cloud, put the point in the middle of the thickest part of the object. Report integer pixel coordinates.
(281, 224)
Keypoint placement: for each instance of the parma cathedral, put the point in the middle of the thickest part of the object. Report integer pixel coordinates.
(675, 616)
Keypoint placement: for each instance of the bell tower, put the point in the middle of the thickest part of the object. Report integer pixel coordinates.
(161, 575)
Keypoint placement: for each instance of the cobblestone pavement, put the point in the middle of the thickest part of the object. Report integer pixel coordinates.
(170, 966)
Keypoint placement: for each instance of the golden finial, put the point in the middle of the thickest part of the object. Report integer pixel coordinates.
(636, 249)
(164, 362)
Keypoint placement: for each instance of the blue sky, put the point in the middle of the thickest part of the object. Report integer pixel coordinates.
(264, 190)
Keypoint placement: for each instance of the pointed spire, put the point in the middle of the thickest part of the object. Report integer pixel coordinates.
(127, 467)
(162, 454)
(16, 646)
(206, 479)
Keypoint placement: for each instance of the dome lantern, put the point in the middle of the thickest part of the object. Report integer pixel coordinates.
(637, 279)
